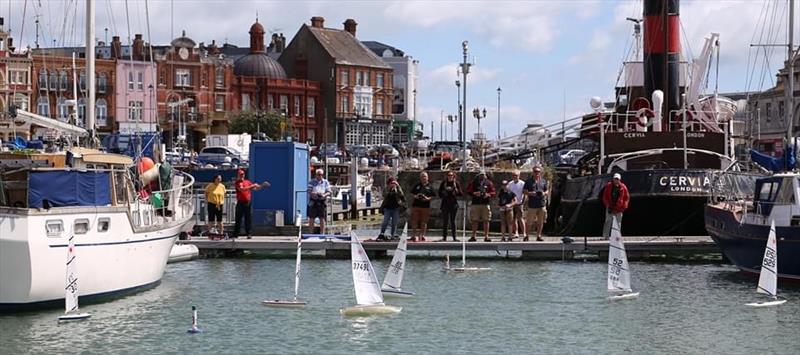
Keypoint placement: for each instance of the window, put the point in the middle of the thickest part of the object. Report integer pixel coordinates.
(297, 105)
(270, 101)
(43, 79)
(62, 110)
(379, 80)
(366, 78)
(162, 78)
(130, 81)
(345, 104)
(81, 226)
(101, 112)
(18, 77)
(82, 82)
(769, 111)
(359, 78)
(140, 81)
(245, 102)
(103, 224)
(54, 228)
(345, 77)
(81, 112)
(183, 78)
(135, 110)
(311, 107)
(63, 81)
(219, 103)
(284, 103)
(202, 78)
(102, 82)
(220, 78)
(43, 106)
(53, 80)
(379, 106)
(21, 100)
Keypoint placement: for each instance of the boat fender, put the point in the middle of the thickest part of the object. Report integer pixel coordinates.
(644, 117)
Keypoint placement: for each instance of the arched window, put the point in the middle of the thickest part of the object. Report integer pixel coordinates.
(63, 81)
(53, 80)
(81, 112)
(62, 109)
(101, 112)
(43, 79)
(43, 106)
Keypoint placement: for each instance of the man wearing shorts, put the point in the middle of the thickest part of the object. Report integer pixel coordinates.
(318, 192)
(516, 186)
(535, 191)
(481, 190)
(422, 194)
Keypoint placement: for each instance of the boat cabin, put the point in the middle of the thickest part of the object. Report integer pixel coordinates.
(777, 198)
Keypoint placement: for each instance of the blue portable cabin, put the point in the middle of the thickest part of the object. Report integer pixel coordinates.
(285, 166)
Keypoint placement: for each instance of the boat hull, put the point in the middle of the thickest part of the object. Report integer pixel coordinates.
(369, 310)
(625, 296)
(766, 304)
(183, 252)
(663, 202)
(743, 244)
(284, 303)
(389, 293)
(74, 317)
(113, 262)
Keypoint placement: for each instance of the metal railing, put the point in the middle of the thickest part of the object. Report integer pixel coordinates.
(164, 206)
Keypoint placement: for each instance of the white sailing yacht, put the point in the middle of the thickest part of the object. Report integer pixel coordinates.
(293, 303)
(394, 276)
(369, 300)
(72, 313)
(768, 278)
(619, 273)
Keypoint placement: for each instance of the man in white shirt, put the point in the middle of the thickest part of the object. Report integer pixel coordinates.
(516, 185)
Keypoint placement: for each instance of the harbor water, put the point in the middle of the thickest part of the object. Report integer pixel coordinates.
(517, 307)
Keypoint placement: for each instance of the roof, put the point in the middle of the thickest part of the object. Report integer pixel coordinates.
(346, 49)
(379, 48)
(258, 65)
(183, 41)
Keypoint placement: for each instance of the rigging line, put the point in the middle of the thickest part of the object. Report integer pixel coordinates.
(22, 28)
(153, 109)
(751, 71)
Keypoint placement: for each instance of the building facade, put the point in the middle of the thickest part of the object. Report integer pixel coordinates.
(404, 103)
(15, 86)
(358, 85)
(768, 124)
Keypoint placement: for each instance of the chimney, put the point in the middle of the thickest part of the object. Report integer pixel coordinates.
(116, 48)
(10, 44)
(282, 43)
(317, 21)
(350, 26)
(1, 22)
(138, 47)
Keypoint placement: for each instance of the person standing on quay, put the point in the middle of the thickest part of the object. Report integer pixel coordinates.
(615, 199)
(318, 192)
(482, 190)
(449, 192)
(422, 194)
(505, 203)
(215, 199)
(536, 191)
(516, 186)
(244, 195)
(391, 207)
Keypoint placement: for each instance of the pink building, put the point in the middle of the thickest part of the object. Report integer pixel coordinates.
(135, 97)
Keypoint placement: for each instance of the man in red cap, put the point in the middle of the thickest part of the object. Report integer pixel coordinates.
(244, 189)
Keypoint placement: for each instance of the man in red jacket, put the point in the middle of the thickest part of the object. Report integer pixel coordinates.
(615, 199)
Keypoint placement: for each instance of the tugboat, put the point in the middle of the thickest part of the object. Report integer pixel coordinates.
(666, 140)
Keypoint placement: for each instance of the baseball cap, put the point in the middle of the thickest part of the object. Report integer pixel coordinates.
(537, 168)
(617, 176)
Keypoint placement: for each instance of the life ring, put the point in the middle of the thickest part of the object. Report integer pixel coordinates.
(644, 117)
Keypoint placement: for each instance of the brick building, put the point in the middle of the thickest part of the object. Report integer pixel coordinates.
(193, 92)
(357, 83)
(261, 85)
(15, 86)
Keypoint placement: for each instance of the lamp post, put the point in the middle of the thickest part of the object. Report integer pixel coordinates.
(464, 71)
(479, 115)
(451, 118)
(458, 108)
(498, 114)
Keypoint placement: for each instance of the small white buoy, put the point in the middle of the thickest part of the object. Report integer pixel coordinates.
(194, 329)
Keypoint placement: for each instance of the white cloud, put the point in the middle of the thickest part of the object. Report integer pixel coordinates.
(445, 76)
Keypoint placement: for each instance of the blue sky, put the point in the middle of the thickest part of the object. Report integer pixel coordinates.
(549, 57)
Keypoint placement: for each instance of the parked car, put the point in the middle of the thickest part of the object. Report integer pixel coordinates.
(176, 156)
(357, 150)
(217, 155)
(571, 156)
(326, 150)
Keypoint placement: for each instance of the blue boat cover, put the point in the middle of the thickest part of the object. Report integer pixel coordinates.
(68, 188)
(785, 163)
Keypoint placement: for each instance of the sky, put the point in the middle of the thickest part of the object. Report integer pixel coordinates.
(549, 57)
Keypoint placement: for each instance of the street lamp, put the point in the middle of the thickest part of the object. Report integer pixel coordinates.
(498, 114)
(479, 115)
(458, 110)
(451, 118)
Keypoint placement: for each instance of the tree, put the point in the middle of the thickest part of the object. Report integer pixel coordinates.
(253, 122)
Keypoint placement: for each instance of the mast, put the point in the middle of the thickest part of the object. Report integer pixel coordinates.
(790, 93)
(90, 99)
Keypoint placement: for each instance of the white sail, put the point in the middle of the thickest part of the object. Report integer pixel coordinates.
(71, 288)
(619, 275)
(394, 276)
(768, 279)
(297, 262)
(368, 291)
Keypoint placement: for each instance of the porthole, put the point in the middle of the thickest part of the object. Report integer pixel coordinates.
(81, 226)
(103, 224)
(54, 228)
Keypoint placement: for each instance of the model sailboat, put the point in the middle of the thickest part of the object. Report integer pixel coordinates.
(293, 303)
(619, 273)
(394, 276)
(369, 300)
(72, 313)
(463, 267)
(768, 279)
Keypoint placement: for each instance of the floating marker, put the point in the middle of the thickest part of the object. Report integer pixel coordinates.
(194, 329)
